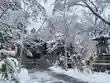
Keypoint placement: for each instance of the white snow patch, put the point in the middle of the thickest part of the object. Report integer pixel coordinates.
(22, 76)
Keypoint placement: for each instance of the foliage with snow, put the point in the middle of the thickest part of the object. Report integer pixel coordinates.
(27, 25)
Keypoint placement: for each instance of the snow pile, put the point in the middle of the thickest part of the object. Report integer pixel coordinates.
(83, 76)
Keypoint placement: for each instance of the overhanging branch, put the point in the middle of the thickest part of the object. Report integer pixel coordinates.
(4, 11)
(96, 14)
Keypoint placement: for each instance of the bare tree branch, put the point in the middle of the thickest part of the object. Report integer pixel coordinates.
(94, 5)
(41, 25)
(1, 8)
(96, 14)
(96, 9)
(80, 4)
(4, 11)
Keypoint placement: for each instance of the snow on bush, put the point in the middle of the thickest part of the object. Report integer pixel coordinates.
(11, 72)
(13, 63)
(1, 63)
(21, 75)
(7, 53)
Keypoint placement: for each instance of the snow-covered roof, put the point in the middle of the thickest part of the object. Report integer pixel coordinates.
(101, 37)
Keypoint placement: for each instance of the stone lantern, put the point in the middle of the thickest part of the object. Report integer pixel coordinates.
(102, 61)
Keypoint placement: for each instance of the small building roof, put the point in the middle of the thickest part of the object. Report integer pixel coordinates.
(102, 37)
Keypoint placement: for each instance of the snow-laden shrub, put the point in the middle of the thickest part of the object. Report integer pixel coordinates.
(8, 67)
(22, 76)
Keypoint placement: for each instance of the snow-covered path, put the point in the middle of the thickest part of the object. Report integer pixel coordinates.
(46, 76)
(58, 75)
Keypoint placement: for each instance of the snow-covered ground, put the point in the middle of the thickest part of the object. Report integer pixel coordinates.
(59, 75)
(84, 76)
(47, 76)
(44, 77)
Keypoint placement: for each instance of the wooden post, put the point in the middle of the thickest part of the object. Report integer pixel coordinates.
(20, 63)
(65, 36)
(65, 62)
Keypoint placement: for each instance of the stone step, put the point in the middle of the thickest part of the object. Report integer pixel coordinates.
(104, 64)
(102, 61)
(108, 57)
(101, 67)
(103, 58)
(69, 60)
